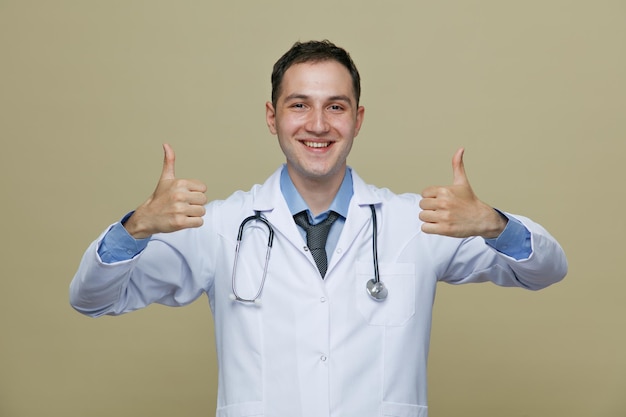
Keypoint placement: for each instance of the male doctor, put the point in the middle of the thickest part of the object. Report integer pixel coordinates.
(325, 336)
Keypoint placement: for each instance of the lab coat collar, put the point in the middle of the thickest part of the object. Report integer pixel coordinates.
(364, 194)
(269, 200)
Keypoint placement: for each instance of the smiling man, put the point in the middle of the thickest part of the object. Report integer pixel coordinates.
(316, 118)
(346, 271)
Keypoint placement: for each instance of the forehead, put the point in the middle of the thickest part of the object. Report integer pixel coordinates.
(326, 78)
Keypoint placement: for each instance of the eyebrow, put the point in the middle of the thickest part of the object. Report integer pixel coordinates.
(298, 96)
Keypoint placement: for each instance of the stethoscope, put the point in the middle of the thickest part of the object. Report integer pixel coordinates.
(375, 287)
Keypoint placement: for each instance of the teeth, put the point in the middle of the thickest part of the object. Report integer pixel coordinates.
(317, 144)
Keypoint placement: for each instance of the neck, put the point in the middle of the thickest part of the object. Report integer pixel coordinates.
(318, 193)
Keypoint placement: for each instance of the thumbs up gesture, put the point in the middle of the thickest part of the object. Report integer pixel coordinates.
(175, 204)
(456, 211)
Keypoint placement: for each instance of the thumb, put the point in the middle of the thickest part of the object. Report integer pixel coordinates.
(458, 168)
(168, 163)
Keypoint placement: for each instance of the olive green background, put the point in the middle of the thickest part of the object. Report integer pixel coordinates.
(535, 91)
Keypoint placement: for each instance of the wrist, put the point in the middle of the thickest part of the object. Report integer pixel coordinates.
(496, 224)
(134, 227)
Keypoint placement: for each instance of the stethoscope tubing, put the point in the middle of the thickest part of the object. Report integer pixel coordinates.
(375, 243)
(375, 287)
(270, 242)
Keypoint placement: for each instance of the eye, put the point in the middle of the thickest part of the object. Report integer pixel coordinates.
(335, 107)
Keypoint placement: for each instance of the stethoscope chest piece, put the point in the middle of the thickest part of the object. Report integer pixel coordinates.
(376, 290)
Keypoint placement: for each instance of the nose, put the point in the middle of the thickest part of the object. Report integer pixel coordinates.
(317, 122)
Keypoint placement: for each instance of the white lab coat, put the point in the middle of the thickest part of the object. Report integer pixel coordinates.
(314, 347)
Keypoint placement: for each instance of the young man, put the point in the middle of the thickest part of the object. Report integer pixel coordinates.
(344, 323)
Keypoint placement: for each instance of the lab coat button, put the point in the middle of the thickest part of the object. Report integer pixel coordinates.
(323, 358)
(339, 250)
(322, 299)
(305, 248)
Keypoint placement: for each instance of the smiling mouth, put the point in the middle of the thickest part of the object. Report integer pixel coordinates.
(316, 144)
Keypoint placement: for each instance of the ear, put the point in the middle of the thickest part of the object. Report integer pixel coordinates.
(270, 117)
(360, 114)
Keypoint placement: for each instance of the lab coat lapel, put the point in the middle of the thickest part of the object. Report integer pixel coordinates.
(359, 216)
(269, 200)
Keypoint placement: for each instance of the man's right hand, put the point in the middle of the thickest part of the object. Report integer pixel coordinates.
(175, 204)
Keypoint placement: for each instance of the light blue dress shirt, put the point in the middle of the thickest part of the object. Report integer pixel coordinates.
(340, 205)
(117, 245)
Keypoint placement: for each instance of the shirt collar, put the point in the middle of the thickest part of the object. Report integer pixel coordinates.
(296, 203)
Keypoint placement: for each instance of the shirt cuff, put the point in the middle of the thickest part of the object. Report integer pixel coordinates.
(514, 241)
(118, 245)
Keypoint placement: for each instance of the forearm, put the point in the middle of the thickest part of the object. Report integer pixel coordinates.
(546, 264)
(514, 240)
(534, 262)
(97, 286)
(171, 270)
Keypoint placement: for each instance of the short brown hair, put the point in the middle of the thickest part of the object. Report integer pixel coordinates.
(314, 51)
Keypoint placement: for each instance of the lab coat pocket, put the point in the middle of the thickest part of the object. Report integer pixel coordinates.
(399, 306)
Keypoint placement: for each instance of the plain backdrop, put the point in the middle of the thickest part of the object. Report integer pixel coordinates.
(535, 91)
